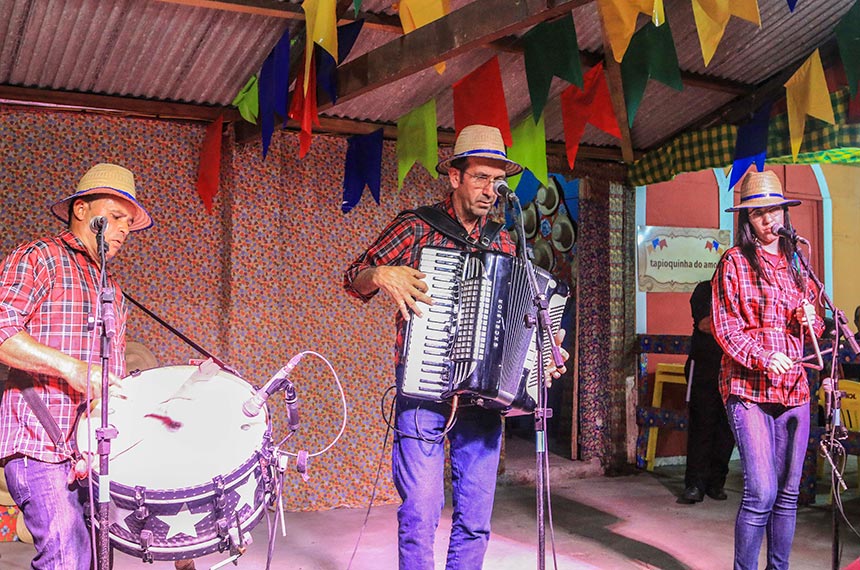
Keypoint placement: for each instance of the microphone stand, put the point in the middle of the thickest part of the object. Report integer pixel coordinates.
(834, 427)
(541, 413)
(106, 432)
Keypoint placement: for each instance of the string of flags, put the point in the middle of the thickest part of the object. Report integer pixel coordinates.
(550, 50)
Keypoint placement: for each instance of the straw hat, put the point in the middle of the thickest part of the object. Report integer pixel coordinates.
(109, 179)
(762, 190)
(481, 141)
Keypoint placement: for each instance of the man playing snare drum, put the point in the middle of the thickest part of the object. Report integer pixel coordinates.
(49, 288)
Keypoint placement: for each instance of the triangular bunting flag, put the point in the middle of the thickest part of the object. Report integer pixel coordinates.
(326, 64)
(529, 150)
(209, 169)
(363, 168)
(712, 16)
(848, 40)
(479, 99)
(791, 5)
(320, 29)
(588, 105)
(651, 54)
(417, 13)
(417, 141)
(550, 49)
(248, 101)
(619, 20)
(806, 94)
(303, 109)
(751, 144)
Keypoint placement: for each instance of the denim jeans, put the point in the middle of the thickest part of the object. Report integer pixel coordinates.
(418, 467)
(772, 441)
(53, 513)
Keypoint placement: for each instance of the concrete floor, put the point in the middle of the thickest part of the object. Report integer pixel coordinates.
(612, 523)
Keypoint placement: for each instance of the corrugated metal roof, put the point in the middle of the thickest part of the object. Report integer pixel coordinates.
(176, 53)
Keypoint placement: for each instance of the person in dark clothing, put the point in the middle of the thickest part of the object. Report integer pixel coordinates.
(709, 439)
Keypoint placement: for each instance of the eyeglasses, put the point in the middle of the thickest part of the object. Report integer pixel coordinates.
(483, 180)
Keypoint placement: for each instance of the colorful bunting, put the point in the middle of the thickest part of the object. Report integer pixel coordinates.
(619, 20)
(417, 13)
(529, 150)
(417, 141)
(321, 29)
(550, 49)
(303, 108)
(479, 99)
(848, 40)
(651, 54)
(588, 105)
(248, 101)
(712, 16)
(363, 168)
(209, 169)
(806, 94)
(326, 64)
(751, 144)
(274, 88)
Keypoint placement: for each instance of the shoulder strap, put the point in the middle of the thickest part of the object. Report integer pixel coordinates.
(442, 222)
(45, 418)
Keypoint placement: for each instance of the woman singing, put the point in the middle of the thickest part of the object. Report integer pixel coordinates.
(761, 311)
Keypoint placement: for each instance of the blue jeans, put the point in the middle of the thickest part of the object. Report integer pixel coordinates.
(772, 441)
(418, 467)
(53, 513)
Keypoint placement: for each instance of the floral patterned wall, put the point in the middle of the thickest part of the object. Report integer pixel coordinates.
(257, 281)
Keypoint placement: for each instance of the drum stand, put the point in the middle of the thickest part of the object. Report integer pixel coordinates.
(106, 432)
(541, 413)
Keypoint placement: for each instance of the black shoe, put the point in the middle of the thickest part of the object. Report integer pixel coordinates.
(691, 494)
(717, 493)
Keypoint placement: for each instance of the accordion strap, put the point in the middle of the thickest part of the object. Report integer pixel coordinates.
(442, 222)
(45, 418)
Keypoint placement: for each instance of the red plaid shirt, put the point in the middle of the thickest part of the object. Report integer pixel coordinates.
(753, 319)
(49, 288)
(400, 243)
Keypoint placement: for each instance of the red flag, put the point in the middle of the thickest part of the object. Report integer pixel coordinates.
(479, 99)
(303, 108)
(209, 169)
(591, 104)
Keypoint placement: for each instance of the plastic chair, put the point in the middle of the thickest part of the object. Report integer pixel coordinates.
(665, 374)
(849, 408)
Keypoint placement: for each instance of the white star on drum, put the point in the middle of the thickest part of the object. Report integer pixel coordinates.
(246, 494)
(117, 517)
(183, 523)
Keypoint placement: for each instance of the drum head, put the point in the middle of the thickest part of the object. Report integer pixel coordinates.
(177, 428)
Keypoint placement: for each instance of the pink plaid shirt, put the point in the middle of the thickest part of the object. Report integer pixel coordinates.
(753, 319)
(49, 288)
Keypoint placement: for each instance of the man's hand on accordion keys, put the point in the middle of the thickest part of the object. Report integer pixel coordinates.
(405, 285)
(551, 373)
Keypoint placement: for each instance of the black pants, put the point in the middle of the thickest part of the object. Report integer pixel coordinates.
(709, 440)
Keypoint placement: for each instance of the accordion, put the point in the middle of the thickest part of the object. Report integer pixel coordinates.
(478, 337)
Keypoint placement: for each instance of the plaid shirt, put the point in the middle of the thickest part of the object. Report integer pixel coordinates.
(49, 288)
(400, 243)
(753, 319)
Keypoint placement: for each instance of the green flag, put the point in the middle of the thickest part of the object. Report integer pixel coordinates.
(417, 141)
(550, 49)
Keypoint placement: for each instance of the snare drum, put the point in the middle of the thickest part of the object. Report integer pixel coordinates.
(190, 473)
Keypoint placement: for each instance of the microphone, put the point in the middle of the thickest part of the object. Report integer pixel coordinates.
(254, 404)
(827, 392)
(789, 234)
(501, 188)
(98, 224)
(292, 401)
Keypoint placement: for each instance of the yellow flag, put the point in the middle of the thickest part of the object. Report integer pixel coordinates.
(713, 15)
(320, 28)
(417, 13)
(619, 20)
(806, 94)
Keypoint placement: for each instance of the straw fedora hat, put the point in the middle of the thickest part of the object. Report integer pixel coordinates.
(110, 179)
(762, 190)
(480, 141)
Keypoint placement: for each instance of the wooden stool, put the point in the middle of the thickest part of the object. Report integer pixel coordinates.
(665, 374)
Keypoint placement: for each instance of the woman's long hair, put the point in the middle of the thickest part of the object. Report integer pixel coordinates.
(745, 239)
